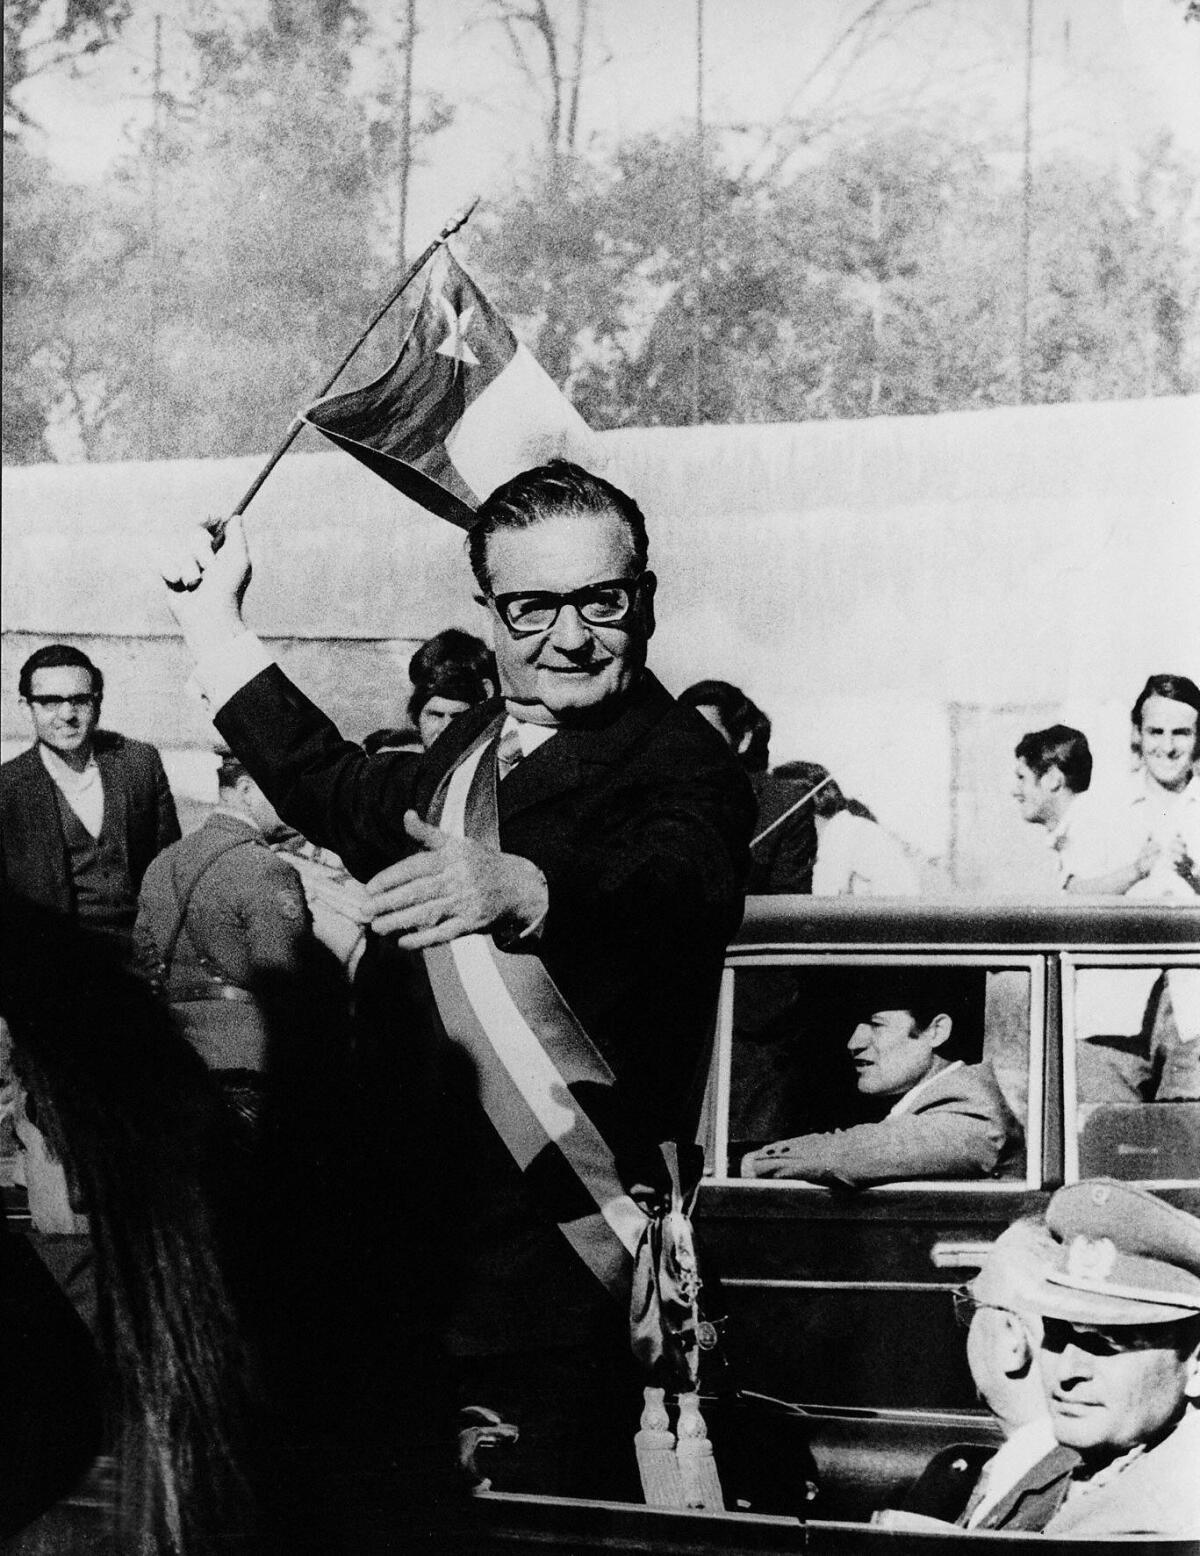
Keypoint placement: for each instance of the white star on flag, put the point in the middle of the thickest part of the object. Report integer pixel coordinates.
(455, 346)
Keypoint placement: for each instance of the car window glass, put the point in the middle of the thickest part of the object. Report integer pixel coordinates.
(792, 1072)
(1136, 1051)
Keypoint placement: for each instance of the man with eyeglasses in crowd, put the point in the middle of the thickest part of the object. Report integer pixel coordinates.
(1020, 1485)
(589, 842)
(1121, 1360)
(84, 810)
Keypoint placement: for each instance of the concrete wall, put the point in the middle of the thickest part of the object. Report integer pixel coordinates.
(904, 596)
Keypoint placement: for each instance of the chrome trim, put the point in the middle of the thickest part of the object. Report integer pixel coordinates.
(757, 1283)
(951, 1255)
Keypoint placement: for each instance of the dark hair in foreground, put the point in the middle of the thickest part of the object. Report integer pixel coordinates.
(1176, 688)
(739, 715)
(142, 1133)
(558, 487)
(1062, 747)
(58, 656)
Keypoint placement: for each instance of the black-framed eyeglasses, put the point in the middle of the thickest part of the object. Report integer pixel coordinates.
(76, 700)
(604, 604)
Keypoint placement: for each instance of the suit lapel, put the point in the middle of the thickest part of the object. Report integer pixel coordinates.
(573, 755)
(115, 816)
(1048, 1475)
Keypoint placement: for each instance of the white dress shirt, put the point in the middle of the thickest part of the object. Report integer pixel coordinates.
(83, 792)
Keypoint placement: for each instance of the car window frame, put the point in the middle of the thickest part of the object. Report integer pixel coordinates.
(718, 1093)
(1071, 962)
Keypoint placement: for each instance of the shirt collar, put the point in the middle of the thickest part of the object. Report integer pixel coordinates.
(64, 775)
(906, 1101)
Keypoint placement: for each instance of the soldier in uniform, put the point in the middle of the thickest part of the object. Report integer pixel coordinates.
(1121, 1361)
(224, 930)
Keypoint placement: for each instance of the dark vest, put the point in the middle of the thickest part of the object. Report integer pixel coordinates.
(99, 871)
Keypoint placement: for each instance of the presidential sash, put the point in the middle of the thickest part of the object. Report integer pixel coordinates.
(532, 1057)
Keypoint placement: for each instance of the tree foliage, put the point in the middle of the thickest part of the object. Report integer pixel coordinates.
(190, 304)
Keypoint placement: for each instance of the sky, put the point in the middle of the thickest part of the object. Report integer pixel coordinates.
(1108, 76)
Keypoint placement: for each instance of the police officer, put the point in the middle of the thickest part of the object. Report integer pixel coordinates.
(1120, 1359)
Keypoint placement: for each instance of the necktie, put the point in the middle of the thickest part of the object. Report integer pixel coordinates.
(508, 748)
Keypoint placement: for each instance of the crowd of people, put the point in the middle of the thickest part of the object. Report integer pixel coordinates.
(457, 981)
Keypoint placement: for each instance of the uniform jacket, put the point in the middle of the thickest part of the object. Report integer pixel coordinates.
(959, 1127)
(137, 804)
(247, 917)
(947, 1481)
(641, 830)
(1158, 1494)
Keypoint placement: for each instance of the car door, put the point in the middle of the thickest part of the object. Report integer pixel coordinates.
(838, 1297)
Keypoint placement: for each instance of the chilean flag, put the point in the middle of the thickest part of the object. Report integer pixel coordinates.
(464, 406)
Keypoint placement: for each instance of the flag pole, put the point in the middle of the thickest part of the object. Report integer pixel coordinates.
(216, 527)
(791, 810)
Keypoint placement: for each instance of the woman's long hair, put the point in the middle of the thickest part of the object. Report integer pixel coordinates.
(143, 1136)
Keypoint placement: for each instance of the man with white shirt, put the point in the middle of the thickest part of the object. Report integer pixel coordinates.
(1146, 843)
(949, 1118)
(84, 810)
(1053, 767)
(568, 859)
(1021, 1484)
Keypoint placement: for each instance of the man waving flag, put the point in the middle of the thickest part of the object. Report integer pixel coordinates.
(463, 407)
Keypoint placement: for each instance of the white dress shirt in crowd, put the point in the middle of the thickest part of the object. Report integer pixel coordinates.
(857, 858)
(1110, 831)
(83, 792)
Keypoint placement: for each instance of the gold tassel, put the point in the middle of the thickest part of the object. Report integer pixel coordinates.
(655, 1444)
(699, 1481)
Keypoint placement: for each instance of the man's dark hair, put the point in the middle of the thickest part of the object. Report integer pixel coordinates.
(739, 715)
(926, 992)
(452, 649)
(457, 682)
(1176, 688)
(1062, 747)
(558, 487)
(57, 656)
(829, 799)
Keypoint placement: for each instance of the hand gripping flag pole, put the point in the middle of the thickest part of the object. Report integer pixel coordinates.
(216, 527)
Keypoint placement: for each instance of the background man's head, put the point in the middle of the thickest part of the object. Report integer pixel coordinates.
(553, 531)
(1166, 717)
(442, 697)
(1121, 1332)
(740, 723)
(1003, 1307)
(911, 1025)
(62, 690)
(237, 791)
(1052, 766)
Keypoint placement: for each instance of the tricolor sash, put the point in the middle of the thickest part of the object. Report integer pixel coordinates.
(532, 1057)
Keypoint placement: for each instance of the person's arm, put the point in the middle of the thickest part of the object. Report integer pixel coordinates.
(1115, 883)
(965, 1141)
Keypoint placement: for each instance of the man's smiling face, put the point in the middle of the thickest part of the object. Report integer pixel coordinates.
(568, 673)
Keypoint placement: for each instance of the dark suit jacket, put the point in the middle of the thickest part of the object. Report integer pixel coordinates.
(137, 806)
(641, 830)
(945, 1485)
